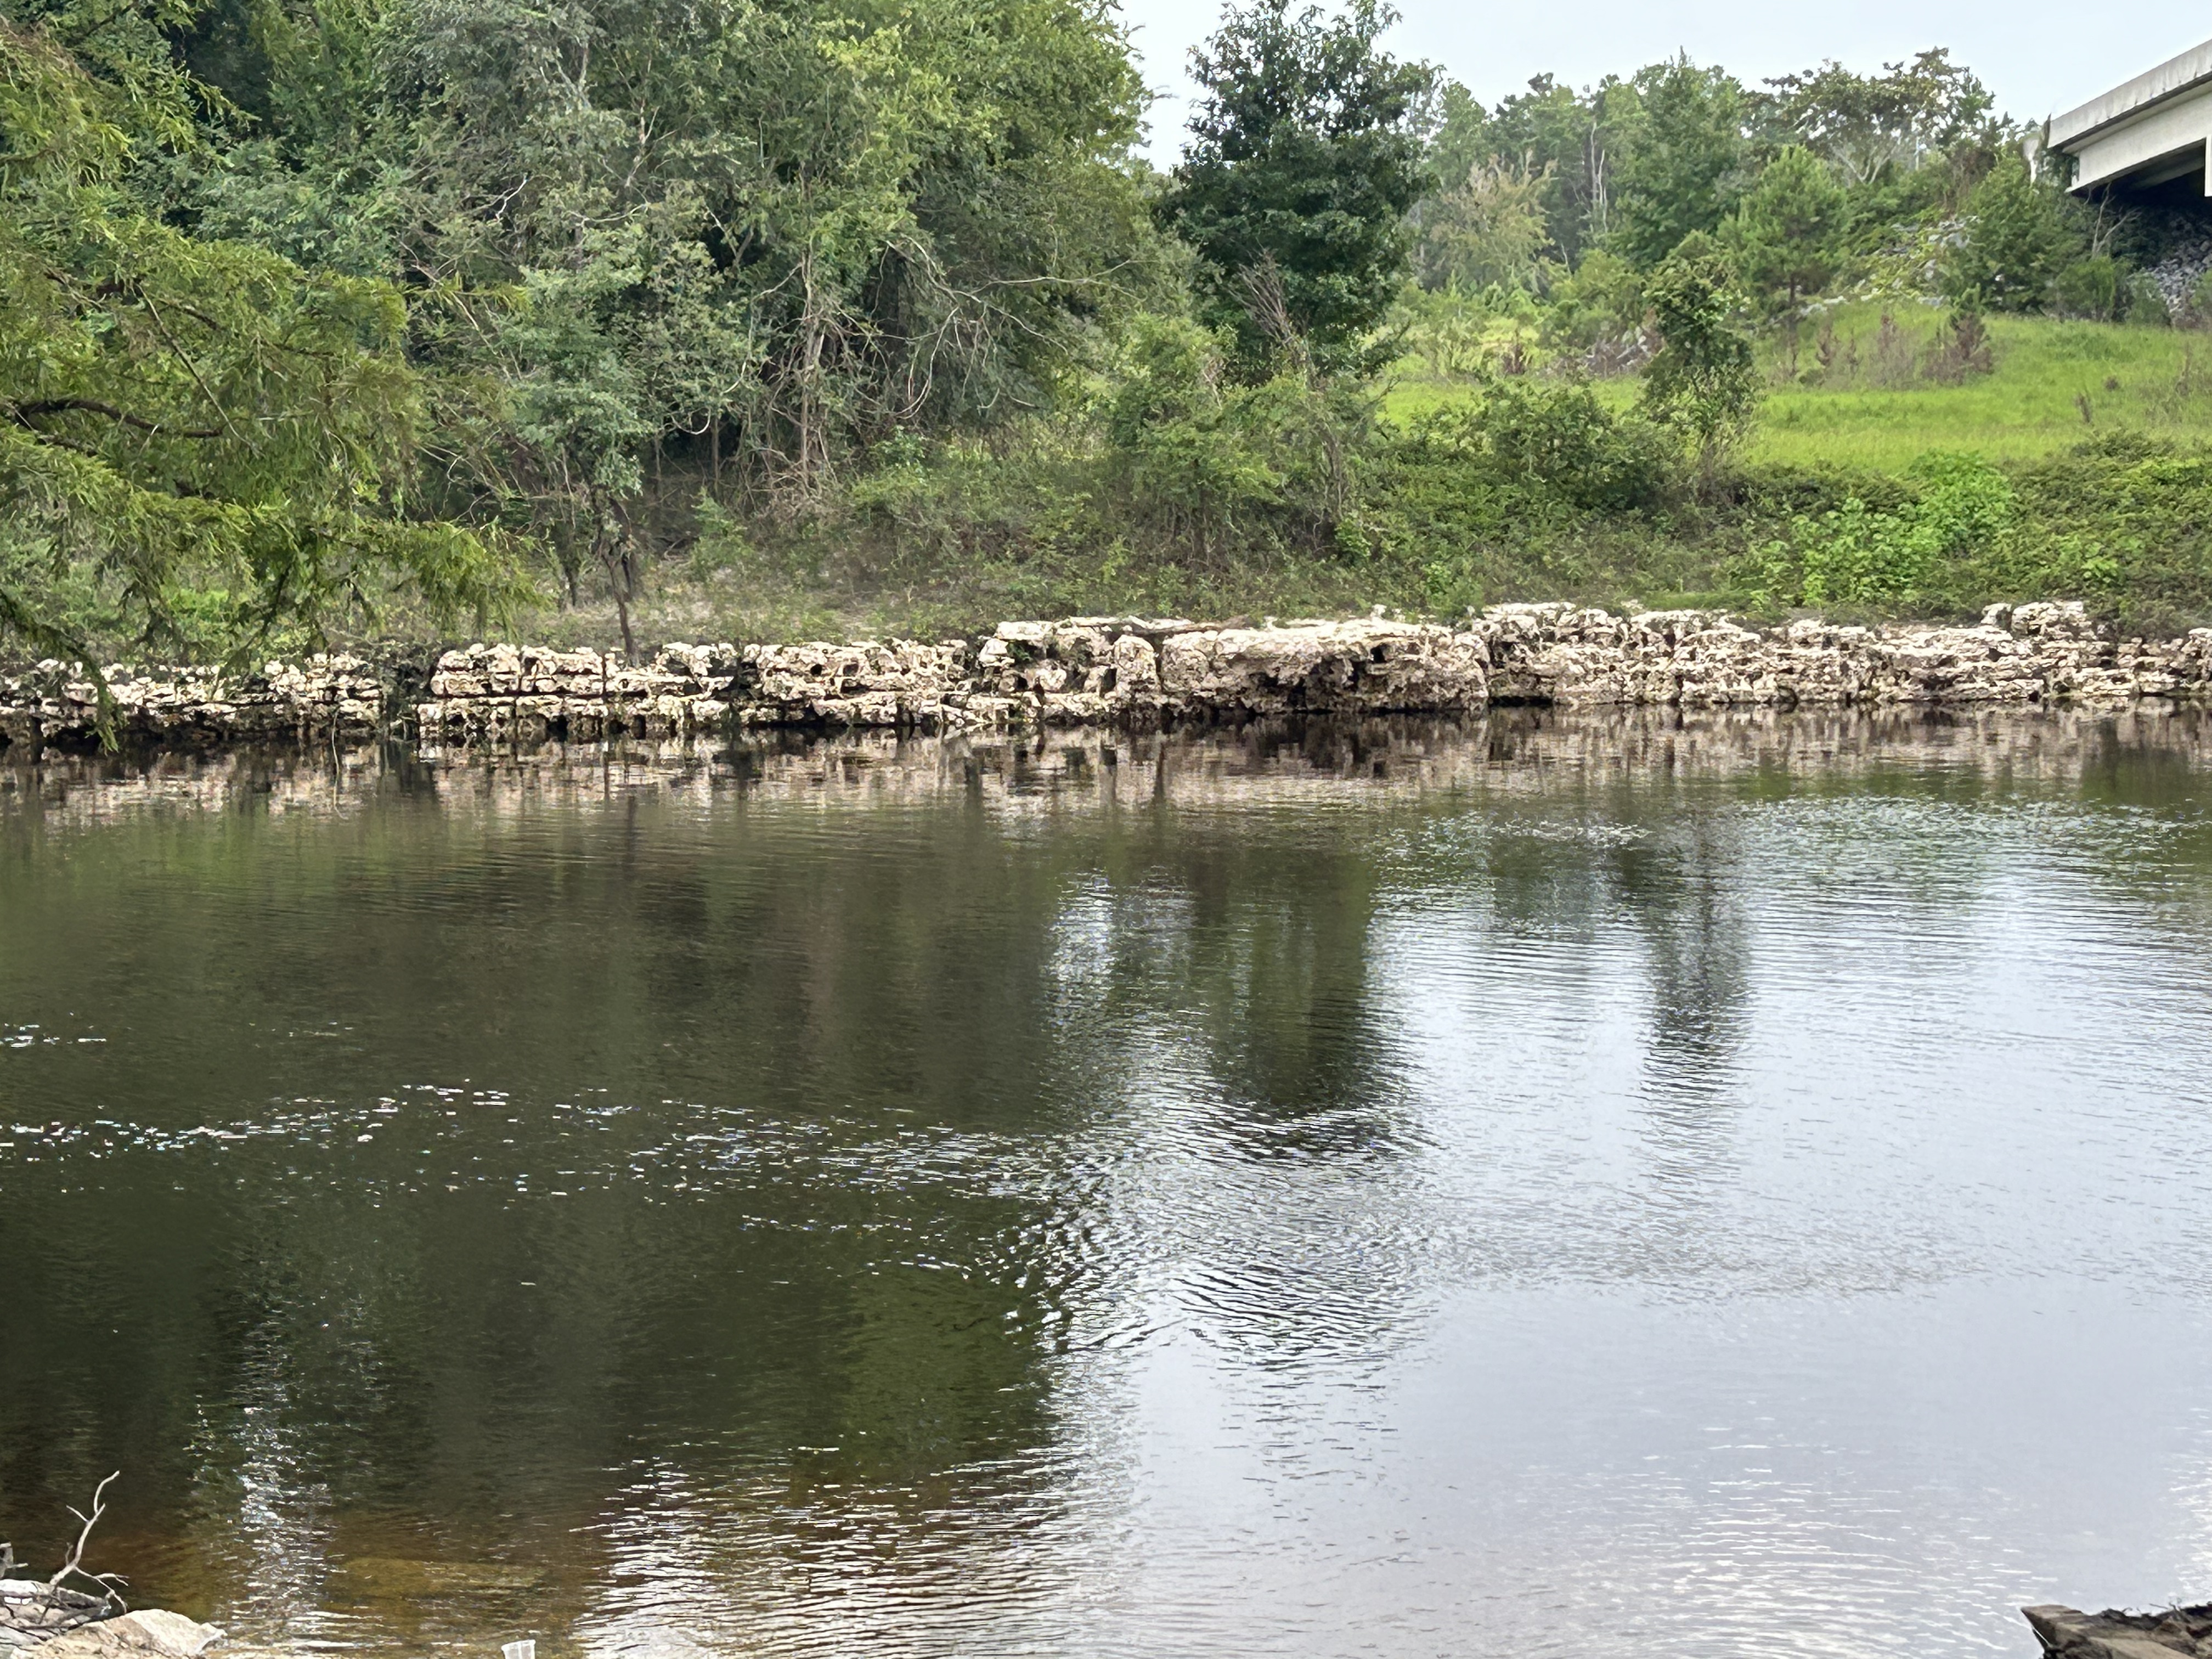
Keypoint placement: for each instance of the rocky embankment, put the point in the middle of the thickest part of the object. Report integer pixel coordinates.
(2066, 1633)
(57, 702)
(1134, 672)
(63, 1624)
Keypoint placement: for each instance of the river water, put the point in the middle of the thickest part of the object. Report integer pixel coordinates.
(1615, 1186)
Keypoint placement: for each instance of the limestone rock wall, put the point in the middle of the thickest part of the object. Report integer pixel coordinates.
(322, 697)
(1134, 671)
(2031, 654)
(1084, 672)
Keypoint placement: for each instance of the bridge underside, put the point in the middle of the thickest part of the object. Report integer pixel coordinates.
(2176, 173)
(2175, 181)
(2149, 135)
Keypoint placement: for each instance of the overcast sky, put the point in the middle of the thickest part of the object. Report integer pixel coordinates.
(2038, 58)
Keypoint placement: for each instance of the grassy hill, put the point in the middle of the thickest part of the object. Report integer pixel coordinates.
(2050, 384)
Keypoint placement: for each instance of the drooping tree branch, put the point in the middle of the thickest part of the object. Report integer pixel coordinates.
(25, 413)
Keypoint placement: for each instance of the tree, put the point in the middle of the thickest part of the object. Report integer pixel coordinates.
(1866, 125)
(1789, 228)
(1462, 140)
(1562, 139)
(778, 233)
(2020, 233)
(1702, 382)
(1489, 232)
(1305, 157)
(203, 449)
(1678, 159)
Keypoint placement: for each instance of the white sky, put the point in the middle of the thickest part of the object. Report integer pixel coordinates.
(2038, 58)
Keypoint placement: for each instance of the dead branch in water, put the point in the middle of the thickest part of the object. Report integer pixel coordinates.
(74, 1565)
(32, 1611)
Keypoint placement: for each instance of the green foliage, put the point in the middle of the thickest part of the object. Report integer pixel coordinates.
(2093, 287)
(745, 240)
(1860, 554)
(2021, 233)
(1177, 474)
(1191, 446)
(1461, 141)
(1305, 156)
(1678, 172)
(1602, 300)
(1824, 179)
(1786, 234)
(1547, 132)
(2124, 521)
(1875, 128)
(1456, 336)
(1550, 445)
(1528, 488)
(1487, 232)
(811, 313)
(783, 230)
(202, 448)
(1702, 383)
(2102, 288)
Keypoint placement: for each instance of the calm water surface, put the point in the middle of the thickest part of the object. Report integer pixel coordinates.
(1597, 1188)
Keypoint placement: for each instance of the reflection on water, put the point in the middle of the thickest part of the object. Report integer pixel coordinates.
(1593, 1187)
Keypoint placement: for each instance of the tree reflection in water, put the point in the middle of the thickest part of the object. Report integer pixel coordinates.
(784, 1197)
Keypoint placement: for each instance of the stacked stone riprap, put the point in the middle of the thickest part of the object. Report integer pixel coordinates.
(1134, 672)
(511, 691)
(1111, 669)
(1086, 670)
(899, 683)
(2030, 653)
(322, 697)
(528, 691)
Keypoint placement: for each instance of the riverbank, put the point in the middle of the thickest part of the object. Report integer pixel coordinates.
(1135, 672)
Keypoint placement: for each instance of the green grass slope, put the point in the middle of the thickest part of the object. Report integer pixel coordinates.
(2051, 383)
(1861, 391)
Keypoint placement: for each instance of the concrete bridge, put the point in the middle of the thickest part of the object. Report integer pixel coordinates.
(2145, 136)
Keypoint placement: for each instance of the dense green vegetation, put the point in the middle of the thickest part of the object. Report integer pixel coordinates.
(635, 318)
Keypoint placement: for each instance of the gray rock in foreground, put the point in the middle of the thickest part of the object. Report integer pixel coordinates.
(33, 1611)
(2067, 1633)
(1136, 672)
(67, 1624)
(152, 1633)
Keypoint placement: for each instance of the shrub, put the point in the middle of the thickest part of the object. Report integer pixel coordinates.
(1858, 554)
(1552, 445)
(1703, 382)
(2097, 289)
(1600, 302)
(2021, 233)
(2125, 519)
